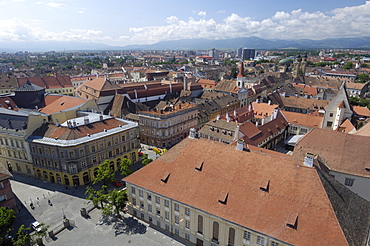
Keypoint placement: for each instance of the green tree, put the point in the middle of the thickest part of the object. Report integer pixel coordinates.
(364, 65)
(97, 196)
(233, 72)
(362, 78)
(7, 218)
(125, 167)
(23, 237)
(348, 65)
(104, 173)
(116, 202)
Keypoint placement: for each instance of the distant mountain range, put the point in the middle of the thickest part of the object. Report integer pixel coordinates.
(193, 44)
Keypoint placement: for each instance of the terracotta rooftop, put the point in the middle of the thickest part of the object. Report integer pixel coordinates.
(356, 86)
(361, 111)
(63, 103)
(346, 126)
(49, 82)
(4, 173)
(339, 150)
(263, 110)
(307, 120)
(293, 189)
(363, 131)
(304, 103)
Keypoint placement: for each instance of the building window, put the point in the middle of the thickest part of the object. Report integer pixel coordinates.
(331, 115)
(274, 244)
(187, 236)
(134, 201)
(177, 231)
(94, 160)
(142, 205)
(329, 124)
(83, 164)
(92, 148)
(150, 220)
(177, 219)
(142, 216)
(158, 212)
(200, 224)
(177, 207)
(149, 197)
(158, 199)
(166, 203)
(231, 240)
(215, 231)
(149, 208)
(349, 181)
(158, 223)
(141, 193)
(247, 235)
(187, 211)
(2, 198)
(167, 215)
(133, 190)
(187, 224)
(260, 240)
(167, 227)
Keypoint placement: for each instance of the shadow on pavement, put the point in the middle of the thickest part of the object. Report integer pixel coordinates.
(127, 225)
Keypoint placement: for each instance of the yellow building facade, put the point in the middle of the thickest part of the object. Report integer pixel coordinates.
(91, 140)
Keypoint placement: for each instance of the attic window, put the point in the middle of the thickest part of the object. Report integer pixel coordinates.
(264, 186)
(367, 169)
(165, 177)
(222, 198)
(211, 128)
(199, 165)
(292, 220)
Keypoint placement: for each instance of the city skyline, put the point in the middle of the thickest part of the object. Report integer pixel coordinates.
(144, 22)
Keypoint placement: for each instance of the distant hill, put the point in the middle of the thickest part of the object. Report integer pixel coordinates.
(255, 43)
(192, 44)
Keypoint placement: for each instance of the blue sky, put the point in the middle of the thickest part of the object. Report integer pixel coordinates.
(143, 22)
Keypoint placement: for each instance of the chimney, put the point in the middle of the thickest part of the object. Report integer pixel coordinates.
(101, 117)
(57, 122)
(69, 124)
(263, 122)
(86, 120)
(192, 133)
(74, 123)
(234, 113)
(308, 160)
(275, 114)
(240, 144)
(257, 123)
(135, 94)
(269, 102)
(218, 117)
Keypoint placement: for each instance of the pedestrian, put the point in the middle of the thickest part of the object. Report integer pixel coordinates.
(75, 186)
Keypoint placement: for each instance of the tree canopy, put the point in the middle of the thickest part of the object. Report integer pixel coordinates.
(104, 173)
(7, 218)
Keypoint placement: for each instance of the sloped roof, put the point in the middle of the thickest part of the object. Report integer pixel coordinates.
(293, 189)
(304, 103)
(361, 111)
(48, 82)
(28, 86)
(339, 150)
(307, 120)
(225, 86)
(62, 104)
(346, 126)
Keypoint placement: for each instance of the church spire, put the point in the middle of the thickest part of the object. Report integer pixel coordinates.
(241, 70)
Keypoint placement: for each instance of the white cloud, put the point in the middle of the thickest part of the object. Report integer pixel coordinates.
(52, 4)
(202, 13)
(221, 12)
(297, 24)
(16, 30)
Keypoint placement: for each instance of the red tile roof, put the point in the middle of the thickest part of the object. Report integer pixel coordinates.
(294, 191)
(63, 103)
(49, 82)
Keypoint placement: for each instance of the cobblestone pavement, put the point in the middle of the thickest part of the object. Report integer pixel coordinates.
(96, 230)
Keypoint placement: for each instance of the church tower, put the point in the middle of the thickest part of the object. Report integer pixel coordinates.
(240, 79)
(299, 66)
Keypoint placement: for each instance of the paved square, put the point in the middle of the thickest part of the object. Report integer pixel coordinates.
(96, 230)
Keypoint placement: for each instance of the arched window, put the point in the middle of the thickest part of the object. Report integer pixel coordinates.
(231, 237)
(200, 224)
(215, 231)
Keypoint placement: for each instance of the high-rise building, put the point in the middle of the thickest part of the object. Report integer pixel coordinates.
(214, 53)
(246, 54)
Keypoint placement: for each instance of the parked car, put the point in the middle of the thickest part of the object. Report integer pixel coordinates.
(118, 183)
(37, 226)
